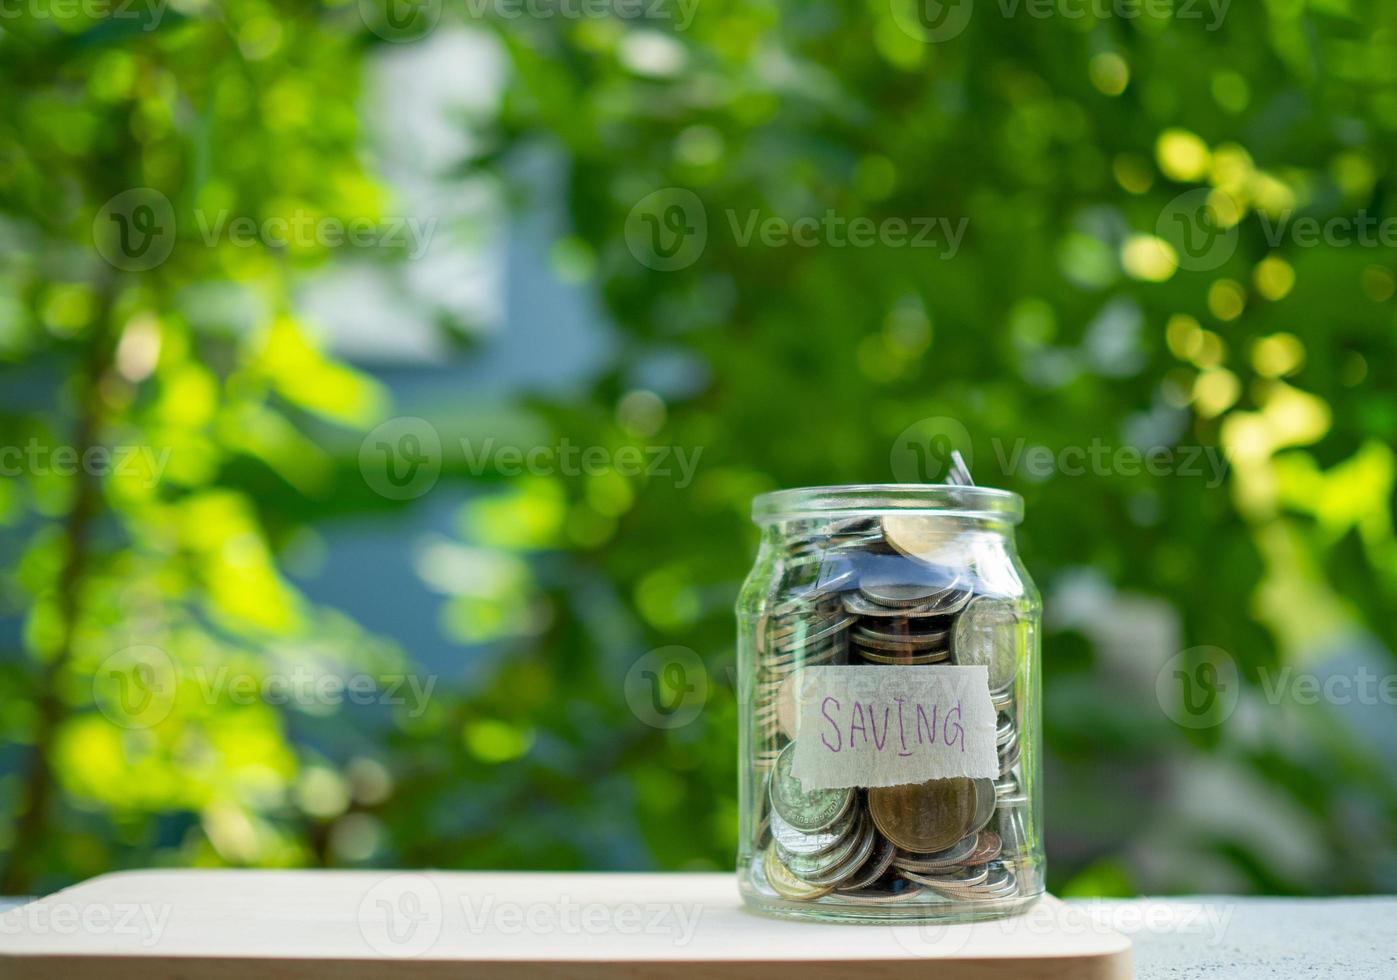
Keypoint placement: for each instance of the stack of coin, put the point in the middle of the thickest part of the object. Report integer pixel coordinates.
(822, 840)
(901, 623)
(884, 591)
(805, 633)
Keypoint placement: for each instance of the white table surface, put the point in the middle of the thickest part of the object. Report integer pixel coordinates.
(1172, 938)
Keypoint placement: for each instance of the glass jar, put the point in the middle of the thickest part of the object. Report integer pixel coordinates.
(888, 699)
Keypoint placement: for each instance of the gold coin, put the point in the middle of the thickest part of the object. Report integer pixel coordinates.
(924, 817)
(927, 538)
(786, 884)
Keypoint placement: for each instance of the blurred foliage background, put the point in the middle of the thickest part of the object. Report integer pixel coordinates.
(227, 638)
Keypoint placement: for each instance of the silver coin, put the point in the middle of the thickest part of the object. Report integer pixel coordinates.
(1008, 759)
(899, 595)
(960, 473)
(852, 862)
(878, 657)
(894, 892)
(805, 812)
(783, 668)
(813, 867)
(790, 841)
(775, 669)
(950, 857)
(822, 654)
(987, 635)
(900, 636)
(1011, 796)
(798, 638)
(778, 629)
(952, 881)
(1001, 881)
(925, 600)
(856, 603)
(875, 867)
(832, 642)
(920, 643)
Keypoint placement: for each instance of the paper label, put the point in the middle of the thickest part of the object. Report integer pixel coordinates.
(876, 725)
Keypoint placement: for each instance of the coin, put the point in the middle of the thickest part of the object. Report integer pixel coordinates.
(892, 891)
(875, 867)
(951, 883)
(1009, 758)
(984, 805)
(964, 877)
(1009, 793)
(899, 595)
(829, 645)
(942, 600)
(924, 817)
(816, 868)
(987, 848)
(987, 635)
(805, 634)
(815, 658)
(855, 532)
(796, 842)
(804, 811)
(1001, 881)
(926, 538)
(909, 660)
(904, 640)
(786, 884)
(858, 855)
(942, 860)
(860, 605)
(938, 860)
(960, 473)
(926, 643)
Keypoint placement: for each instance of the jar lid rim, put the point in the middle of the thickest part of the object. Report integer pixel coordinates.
(985, 503)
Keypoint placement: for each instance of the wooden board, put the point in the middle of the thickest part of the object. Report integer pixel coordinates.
(358, 925)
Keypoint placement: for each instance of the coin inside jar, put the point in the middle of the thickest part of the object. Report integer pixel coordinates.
(986, 634)
(924, 538)
(806, 812)
(858, 604)
(876, 866)
(797, 843)
(786, 884)
(924, 817)
(984, 805)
